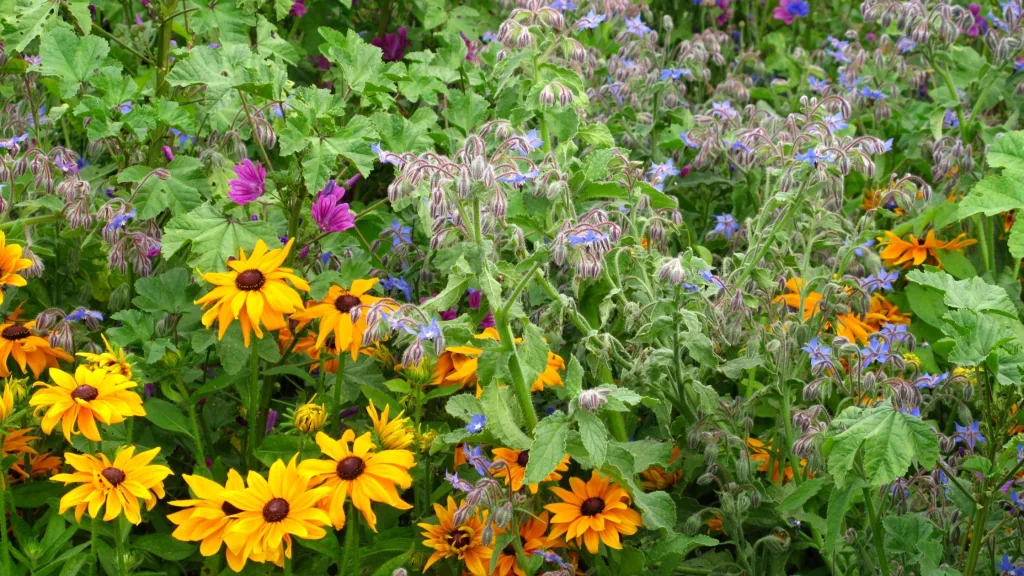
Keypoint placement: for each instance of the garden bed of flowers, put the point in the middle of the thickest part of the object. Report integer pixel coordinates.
(511, 287)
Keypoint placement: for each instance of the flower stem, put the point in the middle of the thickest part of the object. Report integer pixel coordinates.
(254, 403)
(190, 407)
(339, 375)
(122, 566)
(5, 544)
(252, 127)
(350, 551)
(876, 531)
(519, 385)
(977, 537)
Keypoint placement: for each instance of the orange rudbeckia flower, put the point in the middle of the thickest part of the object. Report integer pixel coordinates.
(916, 251)
(811, 300)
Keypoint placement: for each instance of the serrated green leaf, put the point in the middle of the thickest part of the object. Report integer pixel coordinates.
(891, 441)
(360, 62)
(500, 423)
(801, 495)
(466, 110)
(973, 293)
(1007, 151)
(71, 58)
(180, 193)
(547, 449)
(213, 237)
(593, 434)
(596, 135)
(992, 195)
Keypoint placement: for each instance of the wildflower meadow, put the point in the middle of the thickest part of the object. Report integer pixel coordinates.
(511, 287)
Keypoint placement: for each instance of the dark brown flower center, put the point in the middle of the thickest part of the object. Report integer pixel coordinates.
(85, 392)
(459, 539)
(276, 510)
(250, 280)
(523, 458)
(510, 550)
(113, 475)
(592, 506)
(15, 332)
(350, 468)
(346, 303)
(230, 509)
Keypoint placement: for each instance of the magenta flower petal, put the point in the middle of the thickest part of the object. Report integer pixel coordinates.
(329, 212)
(249, 185)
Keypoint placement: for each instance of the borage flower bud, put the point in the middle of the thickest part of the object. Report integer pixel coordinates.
(62, 336)
(162, 174)
(413, 355)
(487, 536)
(503, 515)
(463, 514)
(547, 96)
(593, 399)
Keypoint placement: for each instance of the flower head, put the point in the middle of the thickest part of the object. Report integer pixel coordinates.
(11, 262)
(819, 353)
(636, 27)
(463, 541)
(81, 400)
(358, 472)
(272, 510)
(514, 469)
(19, 340)
(726, 225)
(593, 512)
(392, 433)
(335, 313)
(393, 45)
(788, 10)
(329, 212)
(207, 517)
(119, 484)
(476, 424)
(310, 417)
(970, 434)
(249, 184)
(113, 360)
(590, 21)
(255, 291)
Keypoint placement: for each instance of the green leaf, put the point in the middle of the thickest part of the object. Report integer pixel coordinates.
(1007, 151)
(352, 143)
(183, 191)
(573, 378)
(465, 110)
(974, 337)
(360, 62)
(973, 293)
(463, 406)
(167, 416)
(563, 123)
(213, 237)
(227, 18)
(992, 195)
(282, 447)
(801, 495)
(913, 536)
(1016, 240)
(657, 509)
(597, 135)
(594, 435)
(221, 70)
(27, 21)
(500, 423)
(164, 546)
(400, 135)
(36, 494)
(547, 449)
(614, 190)
(838, 504)
(890, 441)
(135, 328)
(70, 57)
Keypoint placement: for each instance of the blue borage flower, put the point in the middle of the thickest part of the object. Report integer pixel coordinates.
(456, 482)
(475, 458)
(812, 157)
(726, 225)
(723, 110)
(399, 284)
(817, 85)
(676, 74)
(588, 237)
(735, 145)
(881, 281)
(894, 332)
(819, 353)
(399, 234)
(927, 380)
(970, 434)
(876, 351)
(82, 314)
(386, 157)
(835, 123)
(636, 27)
(491, 37)
(10, 143)
(517, 179)
(477, 422)
(564, 5)
(590, 21)
(119, 220)
(527, 143)
(905, 45)
(125, 107)
(687, 142)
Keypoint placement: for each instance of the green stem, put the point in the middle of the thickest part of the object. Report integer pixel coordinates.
(876, 531)
(252, 127)
(190, 407)
(520, 386)
(94, 525)
(956, 97)
(339, 375)
(617, 425)
(5, 544)
(788, 443)
(518, 289)
(748, 266)
(163, 65)
(254, 403)
(982, 239)
(977, 537)
(350, 551)
(122, 565)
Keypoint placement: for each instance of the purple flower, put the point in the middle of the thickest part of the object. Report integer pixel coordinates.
(788, 10)
(9, 143)
(393, 45)
(329, 212)
(970, 435)
(723, 110)
(476, 424)
(271, 421)
(249, 184)
(298, 9)
(687, 142)
(835, 123)
(348, 412)
(488, 321)
(474, 298)
(168, 153)
(928, 381)
(726, 226)
(817, 85)
(457, 483)
(449, 314)
(149, 389)
(530, 142)
(676, 73)
(476, 459)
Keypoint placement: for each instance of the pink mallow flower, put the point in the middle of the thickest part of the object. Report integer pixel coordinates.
(298, 9)
(249, 184)
(329, 213)
(393, 45)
